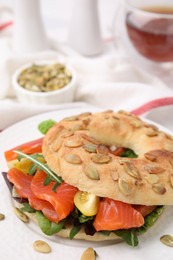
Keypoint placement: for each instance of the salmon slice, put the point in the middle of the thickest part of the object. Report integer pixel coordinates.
(21, 182)
(62, 199)
(144, 210)
(114, 215)
(47, 209)
(22, 185)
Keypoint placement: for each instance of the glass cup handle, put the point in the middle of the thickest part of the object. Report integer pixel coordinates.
(117, 27)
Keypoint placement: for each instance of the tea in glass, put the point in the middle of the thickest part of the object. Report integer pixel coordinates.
(150, 29)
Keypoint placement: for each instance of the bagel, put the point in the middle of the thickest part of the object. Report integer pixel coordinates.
(125, 192)
(78, 149)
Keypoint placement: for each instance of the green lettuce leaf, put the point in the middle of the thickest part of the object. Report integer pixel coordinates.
(129, 236)
(49, 228)
(74, 230)
(44, 126)
(129, 153)
(27, 208)
(150, 220)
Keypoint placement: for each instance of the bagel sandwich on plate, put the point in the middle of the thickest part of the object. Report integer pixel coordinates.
(101, 176)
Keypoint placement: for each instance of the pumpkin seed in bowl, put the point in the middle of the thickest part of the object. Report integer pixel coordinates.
(45, 82)
(44, 78)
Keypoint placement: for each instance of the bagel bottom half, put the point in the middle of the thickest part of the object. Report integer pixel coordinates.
(81, 235)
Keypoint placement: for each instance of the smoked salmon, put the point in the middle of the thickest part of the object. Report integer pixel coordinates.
(62, 199)
(57, 205)
(24, 184)
(21, 182)
(114, 215)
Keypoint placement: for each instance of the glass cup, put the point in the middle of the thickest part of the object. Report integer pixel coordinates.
(145, 31)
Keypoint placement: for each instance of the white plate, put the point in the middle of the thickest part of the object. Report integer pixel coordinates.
(16, 238)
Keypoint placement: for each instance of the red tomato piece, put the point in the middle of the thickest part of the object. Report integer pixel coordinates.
(31, 147)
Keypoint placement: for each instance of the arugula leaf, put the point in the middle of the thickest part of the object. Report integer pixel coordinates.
(129, 153)
(47, 180)
(150, 219)
(19, 157)
(49, 228)
(32, 169)
(44, 126)
(55, 186)
(74, 231)
(128, 235)
(41, 166)
(83, 218)
(27, 208)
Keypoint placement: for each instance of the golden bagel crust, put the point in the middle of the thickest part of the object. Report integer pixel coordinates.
(76, 149)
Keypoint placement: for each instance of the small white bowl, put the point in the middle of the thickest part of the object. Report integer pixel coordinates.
(63, 95)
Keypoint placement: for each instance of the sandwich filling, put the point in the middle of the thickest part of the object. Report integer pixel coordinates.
(58, 205)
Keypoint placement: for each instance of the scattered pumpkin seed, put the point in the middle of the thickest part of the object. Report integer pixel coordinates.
(91, 148)
(152, 133)
(91, 172)
(151, 168)
(103, 149)
(88, 254)
(74, 142)
(22, 216)
(71, 118)
(113, 121)
(136, 123)
(101, 158)
(56, 144)
(85, 114)
(72, 158)
(90, 139)
(132, 170)
(41, 246)
(126, 187)
(108, 111)
(151, 126)
(167, 240)
(2, 216)
(67, 133)
(124, 112)
(150, 157)
(152, 178)
(158, 188)
(86, 121)
(123, 160)
(115, 116)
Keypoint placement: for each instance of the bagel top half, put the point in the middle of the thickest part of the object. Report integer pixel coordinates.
(76, 149)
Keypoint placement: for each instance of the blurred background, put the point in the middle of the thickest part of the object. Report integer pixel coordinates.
(57, 13)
